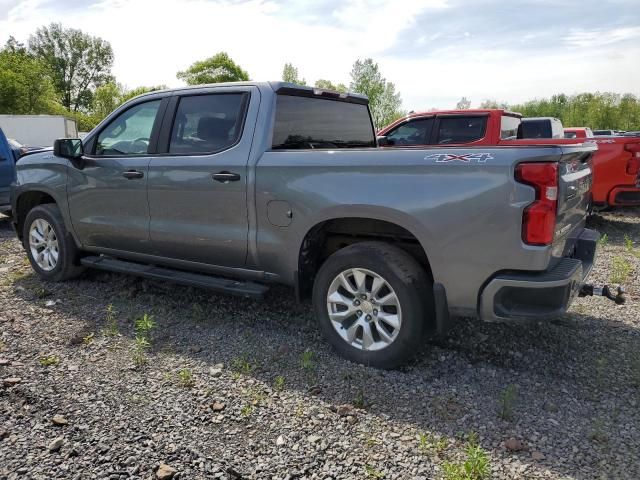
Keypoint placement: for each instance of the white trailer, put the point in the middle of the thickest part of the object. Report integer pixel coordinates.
(38, 130)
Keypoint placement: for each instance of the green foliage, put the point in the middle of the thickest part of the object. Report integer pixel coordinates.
(308, 360)
(111, 322)
(385, 104)
(25, 84)
(143, 327)
(278, 383)
(48, 360)
(475, 467)
(241, 366)
(290, 74)
(328, 85)
(246, 410)
(371, 472)
(621, 269)
(77, 62)
(603, 241)
(185, 378)
(431, 442)
(217, 69)
(508, 401)
(628, 243)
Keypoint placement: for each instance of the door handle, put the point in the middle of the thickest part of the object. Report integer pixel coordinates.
(131, 174)
(226, 177)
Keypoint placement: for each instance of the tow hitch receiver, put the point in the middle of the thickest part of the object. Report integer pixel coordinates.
(588, 290)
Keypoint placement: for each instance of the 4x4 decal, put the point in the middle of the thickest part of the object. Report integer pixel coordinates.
(465, 157)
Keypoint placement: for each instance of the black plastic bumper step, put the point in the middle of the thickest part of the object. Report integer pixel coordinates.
(218, 284)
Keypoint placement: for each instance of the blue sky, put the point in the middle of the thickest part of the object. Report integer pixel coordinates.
(435, 51)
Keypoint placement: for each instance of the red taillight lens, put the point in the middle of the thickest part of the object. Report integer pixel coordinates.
(539, 219)
(633, 164)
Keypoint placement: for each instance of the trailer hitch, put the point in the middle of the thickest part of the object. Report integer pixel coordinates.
(588, 290)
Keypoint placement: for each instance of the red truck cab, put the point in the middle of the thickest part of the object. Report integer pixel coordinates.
(616, 168)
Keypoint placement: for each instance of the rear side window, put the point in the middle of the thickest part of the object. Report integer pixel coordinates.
(509, 127)
(570, 135)
(536, 129)
(460, 129)
(317, 123)
(415, 132)
(208, 123)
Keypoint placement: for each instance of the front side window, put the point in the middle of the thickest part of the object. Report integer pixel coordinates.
(453, 130)
(130, 132)
(318, 123)
(208, 123)
(416, 132)
(509, 127)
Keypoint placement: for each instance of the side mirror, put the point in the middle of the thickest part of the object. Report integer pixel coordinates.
(382, 141)
(70, 148)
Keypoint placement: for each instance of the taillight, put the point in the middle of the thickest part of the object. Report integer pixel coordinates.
(633, 164)
(539, 218)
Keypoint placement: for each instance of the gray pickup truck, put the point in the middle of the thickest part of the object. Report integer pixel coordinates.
(237, 186)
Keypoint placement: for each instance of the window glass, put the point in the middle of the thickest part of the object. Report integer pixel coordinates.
(129, 133)
(536, 128)
(308, 123)
(415, 132)
(509, 127)
(207, 123)
(570, 134)
(460, 129)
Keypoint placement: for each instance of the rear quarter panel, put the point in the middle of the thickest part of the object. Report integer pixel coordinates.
(610, 166)
(466, 215)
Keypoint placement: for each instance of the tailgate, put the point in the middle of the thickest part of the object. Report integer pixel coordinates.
(574, 195)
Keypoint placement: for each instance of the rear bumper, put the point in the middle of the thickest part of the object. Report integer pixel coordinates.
(626, 195)
(525, 296)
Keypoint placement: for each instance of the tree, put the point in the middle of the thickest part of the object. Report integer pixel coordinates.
(489, 103)
(25, 87)
(385, 104)
(328, 85)
(78, 63)
(106, 99)
(217, 69)
(463, 104)
(290, 74)
(129, 94)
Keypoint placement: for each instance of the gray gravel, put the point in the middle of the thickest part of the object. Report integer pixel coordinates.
(282, 405)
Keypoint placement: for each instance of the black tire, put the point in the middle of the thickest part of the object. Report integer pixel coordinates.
(413, 289)
(67, 266)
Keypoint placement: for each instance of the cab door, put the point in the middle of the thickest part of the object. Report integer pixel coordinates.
(107, 191)
(198, 185)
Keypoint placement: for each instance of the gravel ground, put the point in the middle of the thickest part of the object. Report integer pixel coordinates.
(232, 388)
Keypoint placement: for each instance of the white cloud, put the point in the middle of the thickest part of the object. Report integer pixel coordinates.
(154, 39)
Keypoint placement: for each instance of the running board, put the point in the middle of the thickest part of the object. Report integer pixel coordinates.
(217, 284)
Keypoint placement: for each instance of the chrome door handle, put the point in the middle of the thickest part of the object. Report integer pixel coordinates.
(132, 174)
(225, 177)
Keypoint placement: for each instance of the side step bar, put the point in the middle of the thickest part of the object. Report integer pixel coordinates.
(217, 284)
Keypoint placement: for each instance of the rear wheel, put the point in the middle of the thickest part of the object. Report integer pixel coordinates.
(374, 303)
(50, 248)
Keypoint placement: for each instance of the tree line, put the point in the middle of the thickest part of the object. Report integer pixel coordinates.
(64, 71)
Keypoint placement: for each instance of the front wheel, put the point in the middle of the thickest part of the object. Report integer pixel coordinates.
(50, 248)
(373, 302)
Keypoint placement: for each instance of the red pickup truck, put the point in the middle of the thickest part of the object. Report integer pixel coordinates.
(616, 167)
(616, 164)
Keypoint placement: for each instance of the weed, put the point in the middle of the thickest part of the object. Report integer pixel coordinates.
(509, 398)
(241, 366)
(372, 472)
(256, 396)
(185, 378)
(431, 442)
(143, 327)
(111, 322)
(88, 340)
(308, 360)
(278, 383)
(628, 243)
(621, 269)
(42, 293)
(246, 410)
(370, 442)
(475, 466)
(359, 401)
(48, 360)
(603, 241)
(144, 324)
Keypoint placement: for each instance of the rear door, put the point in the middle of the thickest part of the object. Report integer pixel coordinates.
(198, 186)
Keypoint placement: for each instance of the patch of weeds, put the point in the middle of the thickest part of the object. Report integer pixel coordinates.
(42, 293)
(620, 270)
(88, 340)
(475, 466)
(185, 378)
(371, 472)
(508, 401)
(15, 276)
(143, 327)
(428, 442)
(278, 383)
(628, 243)
(308, 360)
(241, 366)
(48, 360)
(359, 400)
(111, 322)
(603, 241)
(370, 442)
(246, 410)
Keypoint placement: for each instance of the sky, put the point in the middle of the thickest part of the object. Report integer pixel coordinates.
(435, 51)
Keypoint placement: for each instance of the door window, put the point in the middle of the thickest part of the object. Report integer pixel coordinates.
(416, 132)
(460, 129)
(130, 132)
(208, 123)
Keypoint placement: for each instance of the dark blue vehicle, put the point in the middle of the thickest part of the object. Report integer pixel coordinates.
(7, 172)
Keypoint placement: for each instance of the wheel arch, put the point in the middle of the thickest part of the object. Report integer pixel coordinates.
(26, 200)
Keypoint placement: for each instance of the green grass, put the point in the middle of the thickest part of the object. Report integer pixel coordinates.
(371, 472)
(185, 378)
(111, 322)
(429, 442)
(241, 366)
(475, 466)
(48, 360)
(278, 383)
(308, 360)
(143, 326)
(603, 241)
(621, 269)
(246, 410)
(628, 243)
